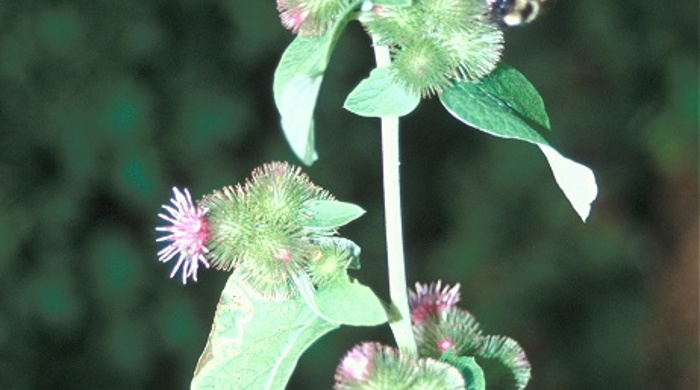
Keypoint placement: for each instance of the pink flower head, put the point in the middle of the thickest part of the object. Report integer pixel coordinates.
(293, 19)
(431, 301)
(444, 344)
(187, 233)
(292, 15)
(356, 364)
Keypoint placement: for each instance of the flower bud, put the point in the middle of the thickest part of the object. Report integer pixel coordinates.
(438, 324)
(437, 42)
(431, 301)
(310, 17)
(259, 228)
(457, 330)
(372, 366)
(504, 362)
(423, 67)
(331, 259)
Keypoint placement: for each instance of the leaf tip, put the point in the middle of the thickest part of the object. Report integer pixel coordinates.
(577, 181)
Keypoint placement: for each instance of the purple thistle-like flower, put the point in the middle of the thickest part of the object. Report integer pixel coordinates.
(356, 364)
(292, 17)
(431, 300)
(188, 233)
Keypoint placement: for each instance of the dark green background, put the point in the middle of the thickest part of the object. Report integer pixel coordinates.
(105, 105)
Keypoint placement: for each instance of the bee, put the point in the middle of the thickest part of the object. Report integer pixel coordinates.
(510, 13)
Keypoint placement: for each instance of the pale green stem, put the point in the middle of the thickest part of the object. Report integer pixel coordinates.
(403, 332)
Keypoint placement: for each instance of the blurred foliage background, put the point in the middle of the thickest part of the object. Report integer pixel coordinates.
(105, 105)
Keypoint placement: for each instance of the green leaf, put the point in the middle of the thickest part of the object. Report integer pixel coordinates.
(350, 303)
(379, 95)
(505, 104)
(330, 214)
(255, 344)
(470, 369)
(296, 84)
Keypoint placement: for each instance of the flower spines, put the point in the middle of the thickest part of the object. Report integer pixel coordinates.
(422, 67)
(310, 17)
(329, 261)
(280, 191)
(378, 367)
(437, 42)
(440, 328)
(477, 48)
(355, 367)
(447, 15)
(259, 229)
(432, 301)
(436, 375)
(506, 360)
(228, 207)
(391, 26)
(457, 330)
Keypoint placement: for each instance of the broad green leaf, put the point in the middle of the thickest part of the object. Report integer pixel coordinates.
(471, 371)
(510, 87)
(255, 344)
(296, 84)
(505, 104)
(379, 95)
(332, 214)
(350, 303)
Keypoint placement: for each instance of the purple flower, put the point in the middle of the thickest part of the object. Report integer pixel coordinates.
(292, 17)
(374, 366)
(356, 364)
(431, 301)
(187, 235)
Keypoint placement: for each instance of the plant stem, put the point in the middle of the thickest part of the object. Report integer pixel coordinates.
(402, 329)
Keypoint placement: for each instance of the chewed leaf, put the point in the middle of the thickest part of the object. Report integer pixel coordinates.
(255, 344)
(379, 95)
(506, 105)
(296, 85)
(332, 214)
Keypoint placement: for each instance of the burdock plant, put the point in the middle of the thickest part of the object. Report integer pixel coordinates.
(278, 233)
